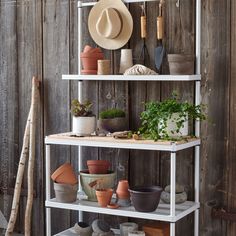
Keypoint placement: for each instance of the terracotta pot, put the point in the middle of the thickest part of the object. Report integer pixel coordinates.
(104, 196)
(98, 166)
(157, 228)
(113, 125)
(65, 192)
(181, 64)
(89, 49)
(91, 54)
(145, 199)
(64, 175)
(89, 60)
(122, 190)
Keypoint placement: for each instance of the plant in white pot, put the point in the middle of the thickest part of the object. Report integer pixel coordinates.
(168, 119)
(84, 122)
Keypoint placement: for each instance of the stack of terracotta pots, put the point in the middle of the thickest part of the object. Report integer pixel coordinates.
(122, 193)
(89, 58)
(65, 183)
(100, 168)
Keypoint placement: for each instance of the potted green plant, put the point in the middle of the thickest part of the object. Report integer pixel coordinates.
(168, 119)
(112, 120)
(84, 122)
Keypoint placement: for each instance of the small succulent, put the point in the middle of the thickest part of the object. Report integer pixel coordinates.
(111, 113)
(81, 109)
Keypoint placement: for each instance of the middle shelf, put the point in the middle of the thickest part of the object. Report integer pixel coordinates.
(162, 212)
(110, 142)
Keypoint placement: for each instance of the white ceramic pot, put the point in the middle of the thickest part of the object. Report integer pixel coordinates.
(83, 125)
(171, 126)
(136, 233)
(126, 60)
(127, 227)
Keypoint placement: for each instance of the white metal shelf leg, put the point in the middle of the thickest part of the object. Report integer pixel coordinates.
(48, 190)
(79, 86)
(172, 229)
(172, 190)
(196, 188)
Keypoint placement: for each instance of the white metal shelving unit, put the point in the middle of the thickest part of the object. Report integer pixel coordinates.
(165, 212)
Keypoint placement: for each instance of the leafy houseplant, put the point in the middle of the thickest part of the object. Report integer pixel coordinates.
(112, 120)
(168, 119)
(84, 122)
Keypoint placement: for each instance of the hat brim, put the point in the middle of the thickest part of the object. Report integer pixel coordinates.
(127, 24)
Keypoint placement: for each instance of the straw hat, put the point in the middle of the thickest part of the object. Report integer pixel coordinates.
(110, 24)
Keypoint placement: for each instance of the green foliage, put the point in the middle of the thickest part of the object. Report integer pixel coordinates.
(81, 109)
(154, 118)
(111, 113)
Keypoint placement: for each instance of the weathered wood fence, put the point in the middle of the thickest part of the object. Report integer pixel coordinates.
(40, 38)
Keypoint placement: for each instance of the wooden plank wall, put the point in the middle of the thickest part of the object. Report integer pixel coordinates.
(40, 38)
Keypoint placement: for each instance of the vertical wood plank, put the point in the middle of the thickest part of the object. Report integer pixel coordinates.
(214, 67)
(56, 91)
(29, 32)
(9, 151)
(231, 163)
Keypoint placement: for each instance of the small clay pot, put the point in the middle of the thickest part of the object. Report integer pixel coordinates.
(104, 196)
(65, 192)
(122, 191)
(98, 166)
(145, 199)
(89, 60)
(64, 175)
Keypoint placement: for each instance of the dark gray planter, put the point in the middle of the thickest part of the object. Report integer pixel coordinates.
(113, 125)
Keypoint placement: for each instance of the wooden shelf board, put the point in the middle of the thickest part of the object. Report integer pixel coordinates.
(110, 142)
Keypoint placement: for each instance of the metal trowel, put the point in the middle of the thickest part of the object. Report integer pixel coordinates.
(160, 50)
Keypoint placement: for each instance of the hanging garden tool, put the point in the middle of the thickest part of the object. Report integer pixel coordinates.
(143, 23)
(160, 50)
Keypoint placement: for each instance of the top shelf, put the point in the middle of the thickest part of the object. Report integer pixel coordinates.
(87, 4)
(133, 77)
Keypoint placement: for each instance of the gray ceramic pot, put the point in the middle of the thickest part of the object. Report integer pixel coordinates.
(65, 192)
(181, 64)
(113, 125)
(179, 197)
(83, 229)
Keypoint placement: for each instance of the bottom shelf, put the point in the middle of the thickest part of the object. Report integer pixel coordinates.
(71, 232)
(162, 213)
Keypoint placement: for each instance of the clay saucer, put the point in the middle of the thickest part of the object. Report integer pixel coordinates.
(88, 72)
(113, 206)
